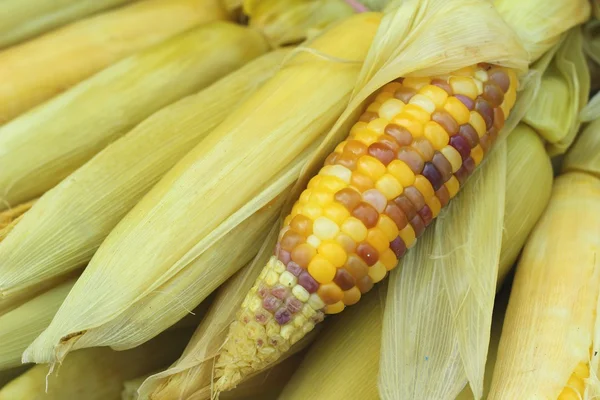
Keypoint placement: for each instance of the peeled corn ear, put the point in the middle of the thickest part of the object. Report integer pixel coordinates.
(23, 19)
(44, 146)
(77, 51)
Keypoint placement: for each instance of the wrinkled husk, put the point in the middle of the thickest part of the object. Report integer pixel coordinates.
(50, 240)
(563, 93)
(96, 374)
(584, 156)
(37, 70)
(216, 187)
(40, 148)
(19, 327)
(23, 19)
(551, 323)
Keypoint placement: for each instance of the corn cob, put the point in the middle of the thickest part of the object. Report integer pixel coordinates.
(76, 52)
(21, 20)
(44, 146)
(150, 249)
(50, 242)
(96, 374)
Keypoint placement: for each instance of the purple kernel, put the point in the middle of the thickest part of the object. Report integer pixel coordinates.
(271, 303)
(426, 215)
(398, 246)
(282, 316)
(461, 145)
(469, 103)
(280, 291)
(284, 256)
(486, 112)
(469, 164)
(294, 268)
(433, 175)
(308, 282)
(293, 304)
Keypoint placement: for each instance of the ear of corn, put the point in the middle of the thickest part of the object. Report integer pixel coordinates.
(77, 51)
(551, 325)
(96, 374)
(197, 206)
(10, 374)
(50, 241)
(584, 155)
(44, 146)
(23, 19)
(326, 370)
(19, 327)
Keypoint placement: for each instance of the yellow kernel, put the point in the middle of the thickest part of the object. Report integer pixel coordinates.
(367, 137)
(436, 94)
(371, 167)
(354, 228)
(423, 185)
(335, 308)
(408, 235)
(434, 204)
(287, 220)
(383, 96)
(481, 75)
(388, 259)
(453, 186)
(389, 186)
(437, 136)
(391, 108)
(378, 239)
(336, 212)
(287, 331)
(509, 99)
(477, 122)
(391, 87)
(314, 182)
(410, 123)
(300, 319)
(305, 196)
(378, 125)
(346, 242)
(374, 107)
(311, 210)
(315, 302)
(278, 266)
(465, 71)
(387, 226)
(477, 154)
(479, 85)
(324, 228)
(340, 147)
(457, 110)
(313, 241)
(307, 310)
(424, 102)
(338, 171)
(320, 198)
(401, 171)
(377, 272)
(321, 269)
(331, 184)
(333, 252)
(288, 279)
(417, 112)
(272, 278)
(295, 209)
(463, 85)
(301, 293)
(415, 82)
(351, 296)
(357, 127)
(453, 157)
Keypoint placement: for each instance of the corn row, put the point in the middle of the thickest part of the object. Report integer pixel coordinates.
(407, 156)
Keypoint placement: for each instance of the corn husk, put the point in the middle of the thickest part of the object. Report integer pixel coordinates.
(96, 374)
(50, 241)
(216, 187)
(19, 327)
(591, 47)
(44, 146)
(11, 217)
(584, 155)
(563, 93)
(24, 19)
(291, 21)
(551, 322)
(77, 51)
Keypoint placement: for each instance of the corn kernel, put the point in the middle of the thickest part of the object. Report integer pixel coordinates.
(481, 75)
(391, 108)
(300, 293)
(378, 239)
(315, 302)
(309, 326)
(453, 157)
(409, 122)
(346, 242)
(388, 259)
(463, 85)
(434, 204)
(378, 125)
(333, 252)
(357, 127)
(278, 266)
(424, 186)
(415, 82)
(457, 110)
(401, 171)
(465, 71)
(288, 279)
(336, 212)
(313, 241)
(320, 198)
(453, 186)
(324, 228)
(311, 210)
(255, 304)
(383, 96)
(271, 278)
(509, 99)
(417, 112)
(273, 328)
(361, 182)
(287, 220)
(477, 122)
(335, 308)
(354, 228)
(477, 154)
(307, 310)
(424, 102)
(352, 296)
(367, 137)
(321, 269)
(314, 182)
(389, 186)
(436, 94)
(295, 209)
(377, 272)
(479, 85)
(437, 136)
(371, 167)
(340, 147)
(305, 196)
(299, 320)
(330, 184)
(391, 87)
(338, 171)
(286, 331)
(374, 107)
(388, 226)
(407, 234)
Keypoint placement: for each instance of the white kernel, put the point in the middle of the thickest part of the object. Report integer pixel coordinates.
(315, 302)
(279, 267)
(271, 278)
(299, 320)
(324, 228)
(390, 108)
(308, 311)
(288, 279)
(375, 198)
(479, 85)
(273, 328)
(300, 293)
(309, 326)
(255, 304)
(286, 331)
(481, 75)
(424, 102)
(313, 241)
(338, 171)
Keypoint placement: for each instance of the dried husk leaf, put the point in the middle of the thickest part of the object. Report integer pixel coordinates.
(49, 241)
(563, 93)
(197, 202)
(44, 146)
(79, 50)
(23, 19)
(19, 327)
(96, 374)
(551, 322)
(584, 156)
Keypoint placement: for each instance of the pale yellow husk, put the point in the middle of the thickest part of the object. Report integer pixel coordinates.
(19, 327)
(563, 93)
(37, 70)
(50, 241)
(96, 374)
(291, 21)
(219, 184)
(11, 217)
(551, 322)
(23, 19)
(40, 148)
(584, 156)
